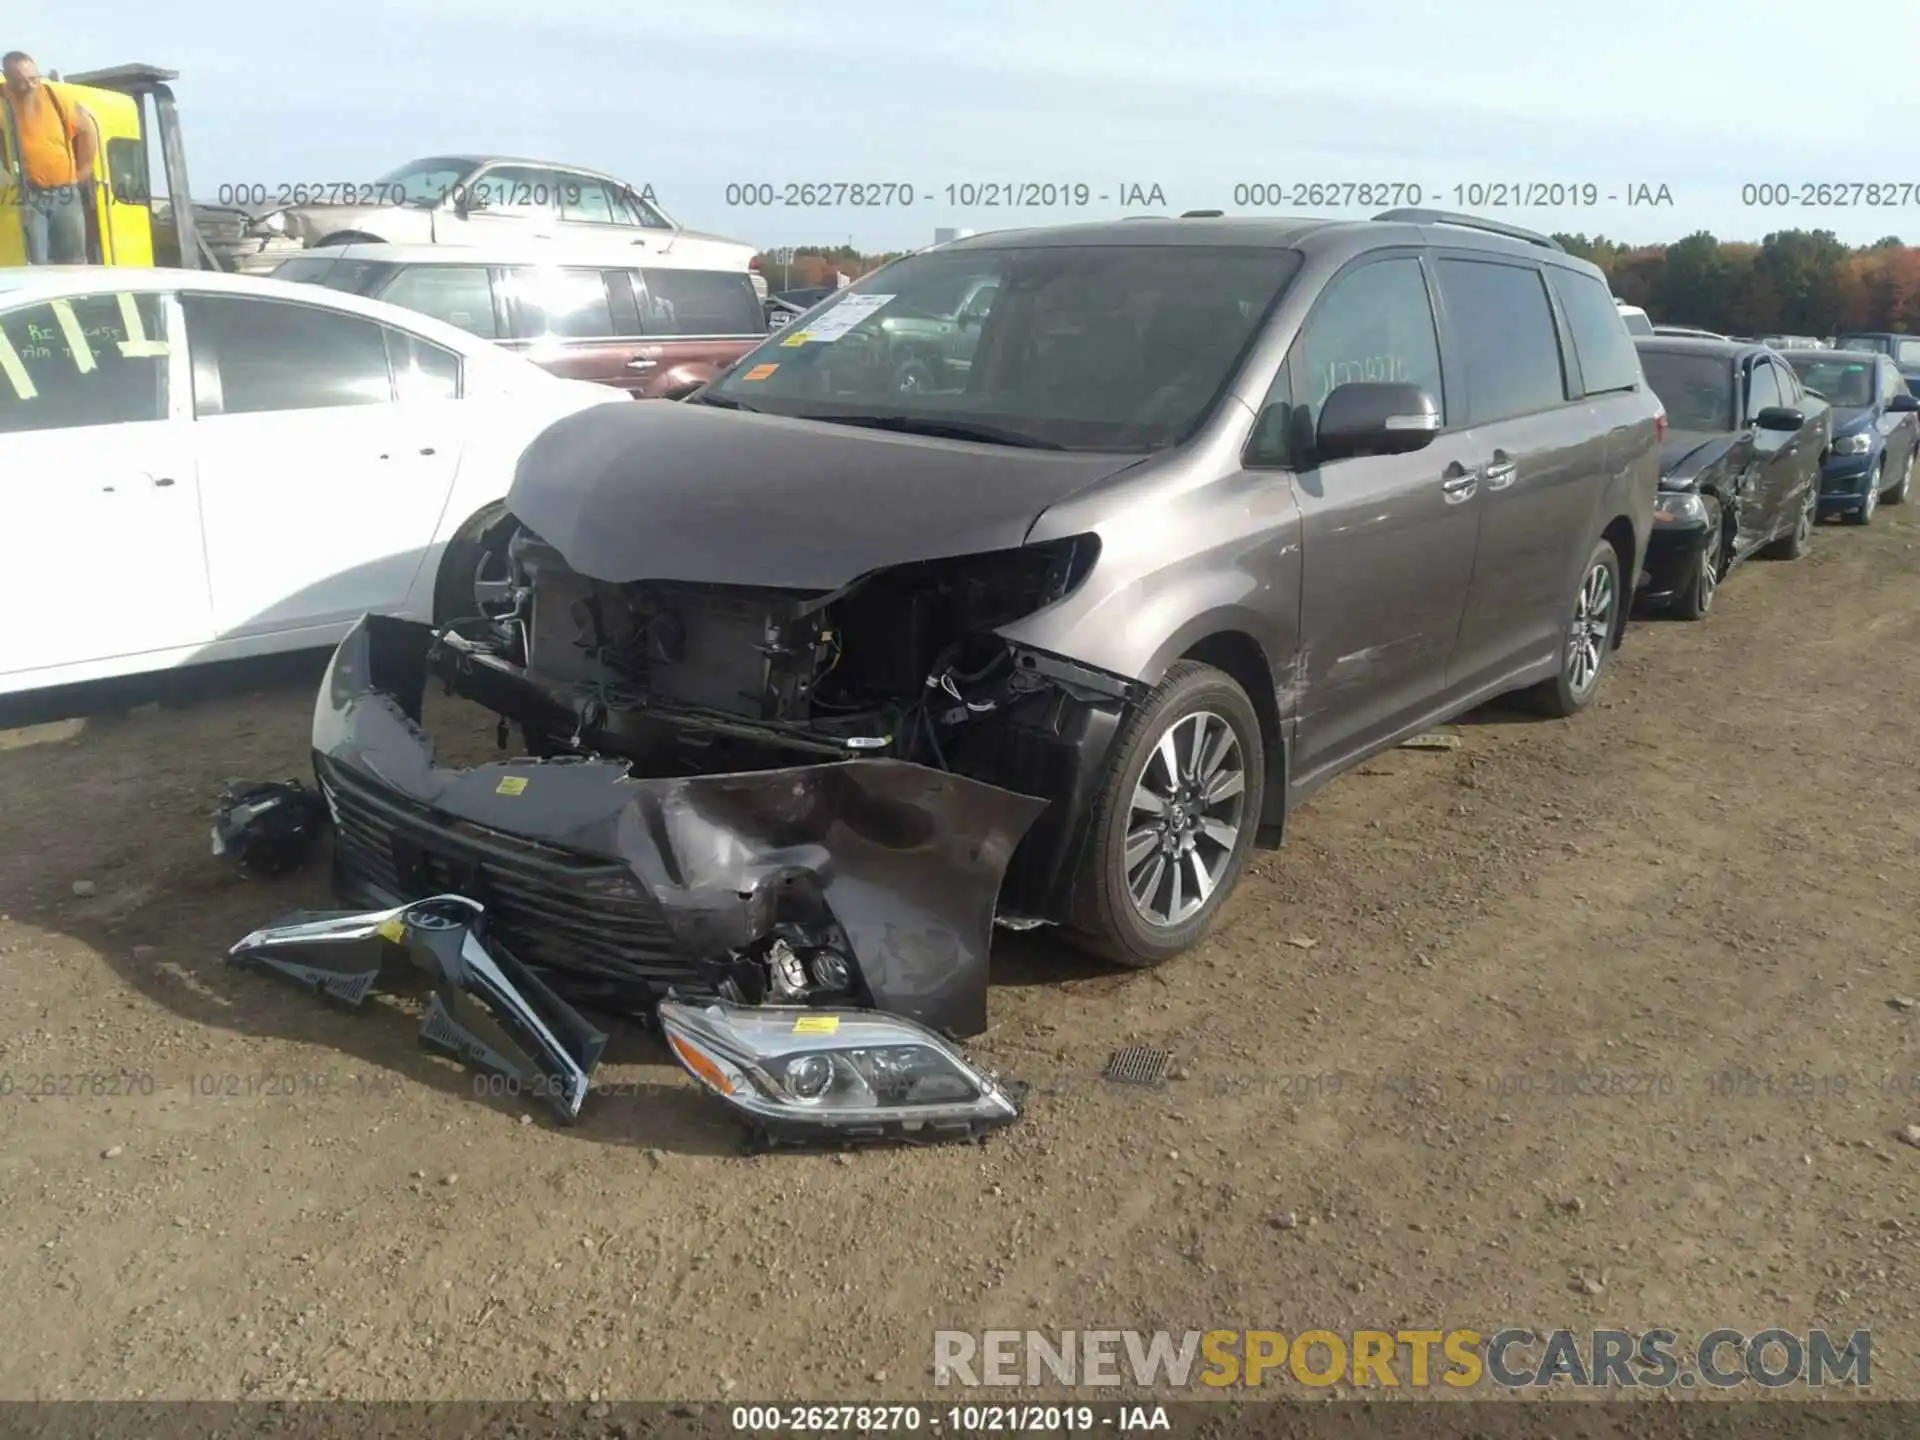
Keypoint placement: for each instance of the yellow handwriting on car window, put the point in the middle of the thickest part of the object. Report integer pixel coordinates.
(137, 346)
(75, 337)
(15, 371)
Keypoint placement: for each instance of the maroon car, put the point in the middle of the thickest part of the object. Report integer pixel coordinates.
(659, 329)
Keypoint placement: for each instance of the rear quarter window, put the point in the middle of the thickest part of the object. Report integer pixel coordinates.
(1608, 361)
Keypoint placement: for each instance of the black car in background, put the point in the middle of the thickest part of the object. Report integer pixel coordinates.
(1876, 425)
(1740, 467)
(1902, 349)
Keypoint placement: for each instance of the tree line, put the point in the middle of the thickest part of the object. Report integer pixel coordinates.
(1793, 282)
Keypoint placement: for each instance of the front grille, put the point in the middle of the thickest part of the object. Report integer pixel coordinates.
(554, 908)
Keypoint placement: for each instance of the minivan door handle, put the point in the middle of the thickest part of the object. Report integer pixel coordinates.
(641, 364)
(1458, 484)
(1499, 474)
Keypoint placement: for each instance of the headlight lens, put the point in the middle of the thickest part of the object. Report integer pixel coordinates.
(1678, 507)
(798, 1073)
(1855, 444)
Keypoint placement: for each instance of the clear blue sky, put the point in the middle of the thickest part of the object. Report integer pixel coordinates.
(1196, 97)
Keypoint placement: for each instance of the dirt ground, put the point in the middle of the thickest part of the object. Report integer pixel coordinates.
(1698, 896)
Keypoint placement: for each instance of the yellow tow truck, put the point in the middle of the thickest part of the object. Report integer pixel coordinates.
(133, 114)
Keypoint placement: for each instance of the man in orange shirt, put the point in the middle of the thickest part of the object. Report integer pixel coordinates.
(56, 159)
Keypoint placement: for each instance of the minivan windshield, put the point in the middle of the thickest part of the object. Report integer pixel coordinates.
(1846, 384)
(1084, 347)
(1697, 390)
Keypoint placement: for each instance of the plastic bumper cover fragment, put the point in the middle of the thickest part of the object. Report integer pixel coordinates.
(487, 1009)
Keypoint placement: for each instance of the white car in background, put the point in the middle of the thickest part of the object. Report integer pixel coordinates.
(204, 467)
(1635, 319)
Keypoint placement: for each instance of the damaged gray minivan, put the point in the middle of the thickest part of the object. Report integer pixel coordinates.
(1035, 579)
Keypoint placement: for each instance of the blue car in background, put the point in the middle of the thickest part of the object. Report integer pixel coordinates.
(1903, 350)
(1876, 425)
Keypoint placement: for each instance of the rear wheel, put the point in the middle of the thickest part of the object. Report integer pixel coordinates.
(1174, 820)
(1586, 642)
(1696, 599)
(1870, 498)
(1793, 544)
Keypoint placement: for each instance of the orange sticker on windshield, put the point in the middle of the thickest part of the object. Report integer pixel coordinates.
(760, 372)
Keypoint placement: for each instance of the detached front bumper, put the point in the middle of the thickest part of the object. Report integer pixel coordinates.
(870, 883)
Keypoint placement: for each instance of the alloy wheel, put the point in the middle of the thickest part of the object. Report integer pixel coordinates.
(1809, 513)
(1188, 809)
(1591, 630)
(1709, 574)
(1871, 501)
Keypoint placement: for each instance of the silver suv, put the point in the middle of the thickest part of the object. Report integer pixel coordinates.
(874, 640)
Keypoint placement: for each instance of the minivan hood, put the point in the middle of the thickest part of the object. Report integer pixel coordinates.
(1851, 417)
(693, 493)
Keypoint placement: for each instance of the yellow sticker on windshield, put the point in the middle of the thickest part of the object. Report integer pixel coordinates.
(74, 336)
(15, 372)
(394, 930)
(760, 372)
(817, 1025)
(799, 337)
(511, 785)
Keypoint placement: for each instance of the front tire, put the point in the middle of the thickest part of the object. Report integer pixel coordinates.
(1697, 597)
(473, 579)
(1870, 498)
(1173, 821)
(1586, 642)
(1898, 494)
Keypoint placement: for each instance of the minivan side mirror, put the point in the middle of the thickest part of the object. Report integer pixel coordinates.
(1780, 417)
(1373, 417)
(1902, 404)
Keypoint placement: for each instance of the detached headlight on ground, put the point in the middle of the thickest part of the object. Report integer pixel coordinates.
(1853, 444)
(1678, 507)
(801, 1076)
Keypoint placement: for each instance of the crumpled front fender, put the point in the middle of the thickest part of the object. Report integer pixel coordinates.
(906, 859)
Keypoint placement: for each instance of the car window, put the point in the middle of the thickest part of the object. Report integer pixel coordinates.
(1697, 391)
(1374, 323)
(518, 190)
(352, 277)
(1906, 352)
(91, 360)
(634, 207)
(583, 198)
(1608, 360)
(699, 302)
(1844, 381)
(1636, 321)
(1509, 345)
(421, 369)
(276, 355)
(1889, 383)
(1762, 389)
(461, 295)
(127, 171)
(551, 302)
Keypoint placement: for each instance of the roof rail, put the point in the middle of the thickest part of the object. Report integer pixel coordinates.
(1472, 222)
(1201, 214)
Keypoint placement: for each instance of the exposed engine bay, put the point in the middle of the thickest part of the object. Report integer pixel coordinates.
(903, 663)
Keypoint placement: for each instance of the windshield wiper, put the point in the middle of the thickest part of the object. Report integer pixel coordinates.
(941, 429)
(721, 402)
